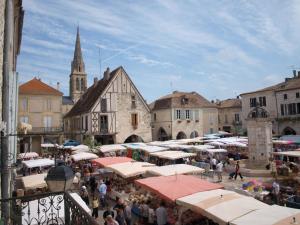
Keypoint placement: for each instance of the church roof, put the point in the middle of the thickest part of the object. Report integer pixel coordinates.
(182, 100)
(88, 99)
(77, 59)
(67, 100)
(37, 87)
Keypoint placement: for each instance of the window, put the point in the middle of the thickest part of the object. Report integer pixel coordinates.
(77, 84)
(197, 115)
(82, 84)
(24, 105)
(47, 121)
(187, 114)
(86, 122)
(262, 101)
(282, 109)
(103, 105)
(292, 109)
(298, 108)
(133, 102)
(134, 119)
(154, 116)
(48, 104)
(297, 95)
(237, 117)
(226, 119)
(184, 101)
(252, 102)
(103, 124)
(24, 119)
(178, 114)
(285, 96)
(82, 123)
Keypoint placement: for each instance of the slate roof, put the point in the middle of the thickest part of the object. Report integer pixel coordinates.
(230, 103)
(90, 96)
(67, 100)
(37, 87)
(175, 100)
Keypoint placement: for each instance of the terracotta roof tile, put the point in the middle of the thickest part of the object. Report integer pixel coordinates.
(37, 87)
(230, 103)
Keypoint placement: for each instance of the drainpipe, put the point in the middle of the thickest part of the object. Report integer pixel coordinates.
(8, 36)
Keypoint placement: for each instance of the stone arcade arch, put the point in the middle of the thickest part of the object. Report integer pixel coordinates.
(133, 138)
(162, 134)
(181, 135)
(288, 131)
(194, 134)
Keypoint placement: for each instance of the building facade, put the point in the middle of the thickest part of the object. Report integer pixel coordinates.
(40, 105)
(111, 111)
(183, 115)
(281, 103)
(230, 115)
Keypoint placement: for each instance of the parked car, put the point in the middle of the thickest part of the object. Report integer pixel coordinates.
(71, 143)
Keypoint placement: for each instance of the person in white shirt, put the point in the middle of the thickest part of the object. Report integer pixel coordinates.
(161, 214)
(219, 171)
(214, 163)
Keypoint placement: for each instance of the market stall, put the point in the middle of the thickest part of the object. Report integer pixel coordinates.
(36, 165)
(107, 161)
(143, 152)
(79, 149)
(28, 155)
(170, 170)
(288, 161)
(33, 182)
(84, 156)
(220, 205)
(112, 150)
(171, 157)
(272, 215)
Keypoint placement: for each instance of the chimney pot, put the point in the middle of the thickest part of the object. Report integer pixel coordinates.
(95, 80)
(298, 73)
(106, 74)
(57, 86)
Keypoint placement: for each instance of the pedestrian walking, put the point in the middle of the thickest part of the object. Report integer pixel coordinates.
(102, 193)
(237, 171)
(219, 171)
(95, 206)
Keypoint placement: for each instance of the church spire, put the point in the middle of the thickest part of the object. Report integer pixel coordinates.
(77, 63)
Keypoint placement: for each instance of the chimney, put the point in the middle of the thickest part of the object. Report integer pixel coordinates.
(294, 73)
(238, 97)
(95, 80)
(106, 74)
(57, 86)
(298, 73)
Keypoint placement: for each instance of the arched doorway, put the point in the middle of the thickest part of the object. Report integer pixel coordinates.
(194, 134)
(181, 135)
(289, 131)
(133, 138)
(162, 134)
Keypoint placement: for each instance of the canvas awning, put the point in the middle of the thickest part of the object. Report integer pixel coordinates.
(288, 153)
(151, 149)
(28, 155)
(130, 169)
(173, 187)
(38, 163)
(272, 215)
(34, 181)
(134, 145)
(219, 150)
(220, 205)
(107, 161)
(80, 148)
(84, 156)
(175, 169)
(48, 145)
(172, 155)
(201, 147)
(111, 148)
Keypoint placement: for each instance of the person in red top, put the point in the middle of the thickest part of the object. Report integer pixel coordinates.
(237, 171)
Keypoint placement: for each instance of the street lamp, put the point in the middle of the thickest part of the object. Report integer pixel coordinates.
(59, 178)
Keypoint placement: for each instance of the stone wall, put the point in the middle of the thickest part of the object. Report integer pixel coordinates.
(2, 22)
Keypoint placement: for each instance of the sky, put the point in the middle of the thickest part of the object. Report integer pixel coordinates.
(218, 48)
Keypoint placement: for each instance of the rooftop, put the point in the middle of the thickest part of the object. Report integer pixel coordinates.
(37, 87)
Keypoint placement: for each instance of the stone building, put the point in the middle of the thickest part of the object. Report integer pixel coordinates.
(183, 115)
(280, 101)
(111, 111)
(40, 105)
(230, 115)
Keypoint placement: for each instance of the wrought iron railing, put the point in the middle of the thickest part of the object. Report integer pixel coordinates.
(58, 208)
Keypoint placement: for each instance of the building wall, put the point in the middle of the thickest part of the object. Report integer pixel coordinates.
(230, 114)
(65, 109)
(40, 106)
(210, 120)
(163, 120)
(2, 22)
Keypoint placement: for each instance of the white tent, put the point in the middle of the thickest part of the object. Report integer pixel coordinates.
(111, 148)
(218, 150)
(134, 145)
(80, 148)
(130, 169)
(220, 205)
(170, 170)
(84, 156)
(48, 145)
(28, 155)
(272, 215)
(172, 155)
(288, 153)
(34, 181)
(151, 149)
(38, 163)
(201, 147)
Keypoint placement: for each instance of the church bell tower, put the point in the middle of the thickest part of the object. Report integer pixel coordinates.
(78, 82)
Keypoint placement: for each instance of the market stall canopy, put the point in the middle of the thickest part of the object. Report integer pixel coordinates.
(111, 148)
(84, 156)
(222, 206)
(34, 181)
(282, 142)
(130, 169)
(38, 163)
(272, 215)
(288, 153)
(179, 146)
(219, 150)
(151, 149)
(172, 155)
(173, 187)
(134, 145)
(175, 169)
(80, 148)
(201, 147)
(107, 161)
(48, 145)
(28, 155)
(291, 138)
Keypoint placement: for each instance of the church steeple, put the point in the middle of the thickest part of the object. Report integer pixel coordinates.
(78, 82)
(77, 63)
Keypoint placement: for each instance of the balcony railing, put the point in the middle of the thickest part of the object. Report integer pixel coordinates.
(47, 208)
(46, 129)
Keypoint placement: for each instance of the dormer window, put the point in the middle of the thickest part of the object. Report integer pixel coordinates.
(184, 101)
(133, 102)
